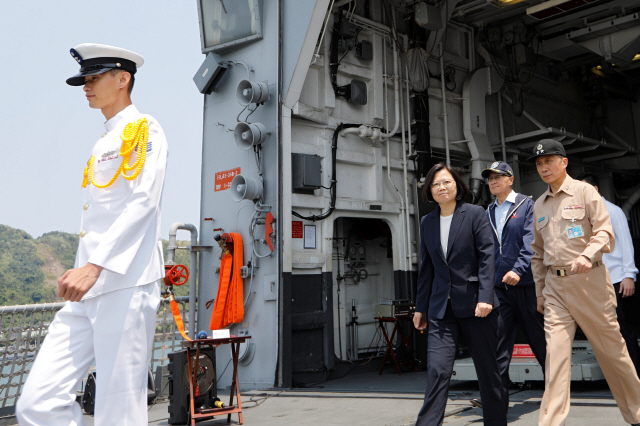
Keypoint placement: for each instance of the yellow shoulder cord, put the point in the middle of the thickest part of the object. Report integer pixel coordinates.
(134, 136)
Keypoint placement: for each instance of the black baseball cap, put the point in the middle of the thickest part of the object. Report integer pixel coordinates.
(499, 167)
(547, 147)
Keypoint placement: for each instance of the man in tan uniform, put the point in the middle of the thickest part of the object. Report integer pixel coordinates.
(571, 231)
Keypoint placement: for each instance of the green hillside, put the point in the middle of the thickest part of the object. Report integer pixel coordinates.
(30, 267)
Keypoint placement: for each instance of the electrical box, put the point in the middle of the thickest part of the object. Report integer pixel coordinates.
(428, 17)
(306, 173)
(210, 73)
(364, 50)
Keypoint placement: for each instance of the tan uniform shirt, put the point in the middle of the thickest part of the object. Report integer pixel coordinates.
(572, 222)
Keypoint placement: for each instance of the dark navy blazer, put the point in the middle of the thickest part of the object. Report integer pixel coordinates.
(517, 237)
(467, 273)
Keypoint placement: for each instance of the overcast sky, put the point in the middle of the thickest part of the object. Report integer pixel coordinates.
(47, 129)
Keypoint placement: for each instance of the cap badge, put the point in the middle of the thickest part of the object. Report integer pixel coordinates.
(75, 55)
(117, 64)
(539, 147)
(494, 165)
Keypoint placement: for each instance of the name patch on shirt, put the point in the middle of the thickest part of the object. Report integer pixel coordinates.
(574, 232)
(111, 157)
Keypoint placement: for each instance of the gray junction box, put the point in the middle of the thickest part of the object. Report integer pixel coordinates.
(306, 172)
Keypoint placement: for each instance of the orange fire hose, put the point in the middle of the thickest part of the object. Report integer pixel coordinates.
(175, 309)
(229, 304)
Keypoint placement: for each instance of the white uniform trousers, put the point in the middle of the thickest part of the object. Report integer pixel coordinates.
(116, 331)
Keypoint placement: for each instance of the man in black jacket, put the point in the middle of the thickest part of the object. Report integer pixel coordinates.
(511, 217)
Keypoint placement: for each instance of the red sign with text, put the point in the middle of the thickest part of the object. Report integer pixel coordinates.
(296, 229)
(223, 179)
(522, 351)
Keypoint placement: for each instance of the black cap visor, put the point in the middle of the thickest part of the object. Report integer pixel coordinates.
(98, 66)
(78, 79)
(533, 157)
(486, 172)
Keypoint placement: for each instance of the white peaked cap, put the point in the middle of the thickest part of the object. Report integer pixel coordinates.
(96, 59)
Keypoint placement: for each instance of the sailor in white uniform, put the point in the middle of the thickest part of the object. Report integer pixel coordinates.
(113, 292)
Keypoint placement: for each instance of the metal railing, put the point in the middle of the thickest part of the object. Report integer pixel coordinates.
(25, 326)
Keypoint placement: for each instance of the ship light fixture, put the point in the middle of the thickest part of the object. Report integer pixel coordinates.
(506, 3)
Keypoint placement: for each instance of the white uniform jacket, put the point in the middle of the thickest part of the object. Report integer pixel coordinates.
(120, 227)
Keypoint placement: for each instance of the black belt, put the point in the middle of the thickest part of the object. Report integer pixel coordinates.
(561, 272)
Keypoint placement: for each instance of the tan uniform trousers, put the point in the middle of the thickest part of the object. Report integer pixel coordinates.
(587, 300)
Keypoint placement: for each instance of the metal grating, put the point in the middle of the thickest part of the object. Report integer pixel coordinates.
(25, 326)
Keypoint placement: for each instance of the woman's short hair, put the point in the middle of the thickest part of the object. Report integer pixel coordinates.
(462, 188)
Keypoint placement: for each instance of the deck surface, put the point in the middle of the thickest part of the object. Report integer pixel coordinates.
(373, 400)
(370, 399)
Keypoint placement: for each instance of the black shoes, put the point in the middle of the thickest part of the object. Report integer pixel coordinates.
(476, 402)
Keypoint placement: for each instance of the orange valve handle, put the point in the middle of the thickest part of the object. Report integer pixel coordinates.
(176, 275)
(268, 229)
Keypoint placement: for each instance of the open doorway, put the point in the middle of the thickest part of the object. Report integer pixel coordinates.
(363, 277)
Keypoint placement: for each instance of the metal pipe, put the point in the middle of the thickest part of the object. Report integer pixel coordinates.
(363, 20)
(502, 140)
(407, 113)
(394, 186)
(171, 251)
(444, 107)
(396, 89)
(386, 109)
(628, 205)
(385, 97)
(45, 307)
(324, 30)
(403, 212)
(409, 245)
(354, 331)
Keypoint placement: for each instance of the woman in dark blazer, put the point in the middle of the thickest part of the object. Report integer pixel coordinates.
(456, 296)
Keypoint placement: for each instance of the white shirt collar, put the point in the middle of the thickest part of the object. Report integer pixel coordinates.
(129, 113)
(510, 198)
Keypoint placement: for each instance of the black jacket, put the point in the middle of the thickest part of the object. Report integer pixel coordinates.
(467, 274)
(514, 252)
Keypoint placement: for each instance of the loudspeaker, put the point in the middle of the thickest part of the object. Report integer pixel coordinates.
(247, 135)
(206, 388)
(245, 188)
(252, 92)
(355, 92)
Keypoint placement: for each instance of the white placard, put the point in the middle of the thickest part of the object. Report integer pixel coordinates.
(309, 236)
(220, 334)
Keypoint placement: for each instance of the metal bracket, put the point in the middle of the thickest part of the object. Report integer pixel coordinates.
(201, 248)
